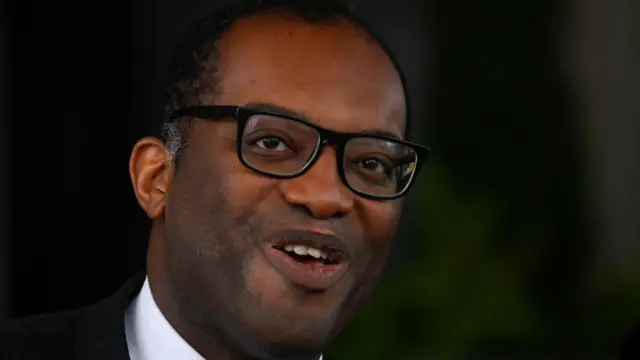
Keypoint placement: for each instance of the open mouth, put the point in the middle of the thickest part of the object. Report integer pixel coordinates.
(309, 254)
(308, 259)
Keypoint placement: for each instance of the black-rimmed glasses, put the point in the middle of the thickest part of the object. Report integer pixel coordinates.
(280, 146)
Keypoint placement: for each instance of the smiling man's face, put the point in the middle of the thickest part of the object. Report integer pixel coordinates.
(223, 256)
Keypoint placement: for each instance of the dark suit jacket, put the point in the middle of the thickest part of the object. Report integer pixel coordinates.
(96, 332)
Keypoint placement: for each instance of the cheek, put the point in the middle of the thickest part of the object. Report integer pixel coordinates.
(242, 189)
(264, 283)
(380, 220)
(247, 194)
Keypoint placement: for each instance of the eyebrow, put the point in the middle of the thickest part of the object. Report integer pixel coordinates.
(282, 110)
(379, 133)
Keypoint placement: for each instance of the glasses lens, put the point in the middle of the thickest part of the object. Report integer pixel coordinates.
(278, 145)
(379, 167)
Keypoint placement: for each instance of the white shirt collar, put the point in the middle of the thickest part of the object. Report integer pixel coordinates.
(149, 334)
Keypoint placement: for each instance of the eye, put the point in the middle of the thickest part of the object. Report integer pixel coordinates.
(375, 166)
(272, 143)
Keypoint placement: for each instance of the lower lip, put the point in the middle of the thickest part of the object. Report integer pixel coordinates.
(314, 275)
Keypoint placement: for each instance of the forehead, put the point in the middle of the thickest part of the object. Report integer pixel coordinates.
(334, 73)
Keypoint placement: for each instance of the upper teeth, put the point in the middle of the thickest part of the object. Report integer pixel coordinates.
(305, 250)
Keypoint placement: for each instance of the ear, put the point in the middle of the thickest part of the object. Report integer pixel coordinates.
(151, 170)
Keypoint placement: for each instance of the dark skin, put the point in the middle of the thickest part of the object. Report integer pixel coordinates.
(211, 214)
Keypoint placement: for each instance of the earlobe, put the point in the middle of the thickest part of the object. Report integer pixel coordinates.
(150, 170)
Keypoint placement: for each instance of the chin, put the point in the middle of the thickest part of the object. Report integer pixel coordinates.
(293, 340)
(295, 349)
(311, 336)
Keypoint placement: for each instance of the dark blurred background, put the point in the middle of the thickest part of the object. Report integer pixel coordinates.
(521, 239)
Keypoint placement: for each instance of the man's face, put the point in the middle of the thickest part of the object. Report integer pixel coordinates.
(221, 219)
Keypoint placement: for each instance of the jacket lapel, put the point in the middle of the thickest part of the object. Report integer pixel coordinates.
(101, 330)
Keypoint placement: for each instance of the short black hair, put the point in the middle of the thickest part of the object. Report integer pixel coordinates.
(197, 52)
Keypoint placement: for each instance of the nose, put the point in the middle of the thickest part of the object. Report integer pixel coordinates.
(319, 191)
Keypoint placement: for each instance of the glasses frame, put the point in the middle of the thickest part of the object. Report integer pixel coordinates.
(335, 139)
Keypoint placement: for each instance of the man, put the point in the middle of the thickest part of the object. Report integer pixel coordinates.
(274, 195)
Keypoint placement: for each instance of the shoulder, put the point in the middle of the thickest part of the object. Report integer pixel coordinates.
(96, 331)
(39, 335)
